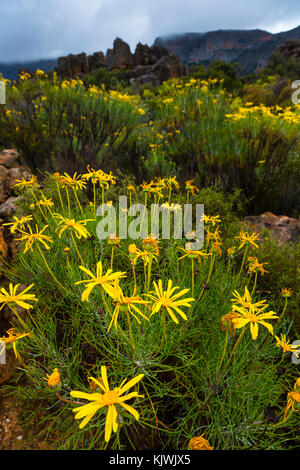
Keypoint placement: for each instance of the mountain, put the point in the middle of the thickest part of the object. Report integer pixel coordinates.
(10, 71)
(251, 48)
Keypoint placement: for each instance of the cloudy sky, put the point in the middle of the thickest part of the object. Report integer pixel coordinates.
(34, 29)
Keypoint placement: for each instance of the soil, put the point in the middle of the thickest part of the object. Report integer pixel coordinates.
(12, 434)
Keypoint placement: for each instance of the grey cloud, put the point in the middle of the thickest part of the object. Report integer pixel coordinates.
(34, 29)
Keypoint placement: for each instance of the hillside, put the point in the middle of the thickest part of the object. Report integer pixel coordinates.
(10, 71)
(251, 48)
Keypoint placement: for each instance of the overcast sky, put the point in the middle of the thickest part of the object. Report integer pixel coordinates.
(35, 29)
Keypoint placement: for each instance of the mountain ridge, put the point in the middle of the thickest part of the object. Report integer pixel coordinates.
(251, 48)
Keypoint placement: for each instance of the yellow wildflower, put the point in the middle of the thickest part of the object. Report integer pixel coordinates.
(53, 379)
(100, 279)
(199, 443)
(109, 398)
(168, 300)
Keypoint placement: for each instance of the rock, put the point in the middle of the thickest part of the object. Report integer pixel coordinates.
(289, 49)
(3, 244)
(17, 173)
(282, 228)
(8, 157)
(4, 174)
(147, 65)
(9, 207)
(141, 55)
(72, 65)
(145, 55)
(96, 61)
(10, 171)
(120, 57)
(145, 79)
(169, 67)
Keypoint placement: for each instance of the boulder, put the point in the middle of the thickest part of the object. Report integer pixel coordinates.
(9, 157)
(289, 49)
(282, 228)
(10, 171)
(147, 65)
(72, 65)
(96, 61)
(120, 57)
(4, 175)
(9, 207)
(169, 67)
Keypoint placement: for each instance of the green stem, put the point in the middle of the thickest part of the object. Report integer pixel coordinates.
(244, 259)
(149, 272)
(105, 303)
(284, 309)
(130, 333)
(19, 318)
(102, 189)
(59, 195)
(254, 285)
(49, 269)
(78, 202)
(94, 193)
(193, 277)
(112, 257)
(76, 248)
(40, 209)
(212, 261)
(68, 199)
(224, 351)
(236, 346)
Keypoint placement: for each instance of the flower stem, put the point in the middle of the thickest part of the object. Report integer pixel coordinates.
(49, 269)
(112, 257)
(236, 346)
(78, 202)
(254, 285)
(244, 259)
(59, 195)
(130, 333)
(193, 277)
(284, 309)
(224, 352)
(68, 199)
(19, 318)
(76, 248)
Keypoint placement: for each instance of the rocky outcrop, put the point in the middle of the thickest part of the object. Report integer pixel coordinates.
(10, 171)
(282, 228)
(288, 50)
(146, 65)
(251, 48)
(79, 64)
(120, 56)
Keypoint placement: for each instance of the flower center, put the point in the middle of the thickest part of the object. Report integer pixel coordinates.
(166, 302)
(110, 397)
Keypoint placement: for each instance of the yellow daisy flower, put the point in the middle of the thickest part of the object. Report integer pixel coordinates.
(110, 398)
(167, 300)
(100, 279)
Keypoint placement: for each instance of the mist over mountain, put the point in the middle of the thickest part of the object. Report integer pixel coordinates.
(251, 48)
(10, 71)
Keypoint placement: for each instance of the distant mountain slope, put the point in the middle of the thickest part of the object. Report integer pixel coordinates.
(10, 71)
(251, 48)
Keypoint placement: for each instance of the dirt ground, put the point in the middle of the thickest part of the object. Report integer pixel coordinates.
(12, 434)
